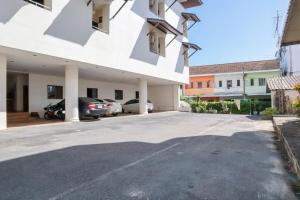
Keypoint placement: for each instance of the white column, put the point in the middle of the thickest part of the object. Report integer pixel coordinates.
(71, 93)
(176, 97)
(143, 98)
(3, 75)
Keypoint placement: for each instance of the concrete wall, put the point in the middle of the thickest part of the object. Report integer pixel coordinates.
(38, 90)
(162, 97)
(66, 32)
(290, 59)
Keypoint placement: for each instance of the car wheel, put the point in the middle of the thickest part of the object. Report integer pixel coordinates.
(47, 116)
(96, 117)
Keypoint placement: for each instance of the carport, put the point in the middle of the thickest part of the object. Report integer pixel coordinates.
(38, 72)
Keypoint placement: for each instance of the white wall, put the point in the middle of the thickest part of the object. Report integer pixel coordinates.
(38, 90)
(66, 32)
(224, 77)
(162, 97)
(290, 60)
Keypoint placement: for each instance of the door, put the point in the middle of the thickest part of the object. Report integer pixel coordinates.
(25, 98)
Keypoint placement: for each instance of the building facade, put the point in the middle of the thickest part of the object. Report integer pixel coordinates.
(63, 49)
(233, 80)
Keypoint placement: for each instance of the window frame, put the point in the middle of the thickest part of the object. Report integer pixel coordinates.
(238, 83)
(252, 82)
(208, 84)
(56, 95)
(229, 84)
(263, 82)
(93, 90)
(192, 84)
(200, 83)
(220, 84)
(119, 96)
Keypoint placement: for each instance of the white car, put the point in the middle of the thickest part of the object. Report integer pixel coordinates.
(113, 107)
(133, 105)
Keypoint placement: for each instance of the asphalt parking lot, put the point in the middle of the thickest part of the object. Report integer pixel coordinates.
(161, 156)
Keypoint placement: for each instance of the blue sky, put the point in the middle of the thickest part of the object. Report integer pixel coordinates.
(236, 30)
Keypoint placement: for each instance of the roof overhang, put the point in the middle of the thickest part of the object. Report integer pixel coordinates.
(191, 46)
(291, 34)
(190, 17)
(164, 26)
(191, 3)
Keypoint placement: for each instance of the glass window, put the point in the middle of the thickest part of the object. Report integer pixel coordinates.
(229, 84)
(92, 93)
(119, 94)
(262, 81)
(252, 82)
(200, 84)
(192, 85)
(55, 92)
(238, 83)
(220, 83)
(137, 94)
(208, 84)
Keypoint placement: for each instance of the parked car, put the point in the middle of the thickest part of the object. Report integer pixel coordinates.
(87, 108)
(132, 106)
(113, 107)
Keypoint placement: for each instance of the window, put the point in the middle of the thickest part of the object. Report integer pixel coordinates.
(185, 28)
(119, 94)
(229, 84)
(208, 84)
(137, 94)
(252, 82)
(238, 83)
(192, 85)
(220, 84)
(92, 93)
(157, 7)
(157, 42)
(200, 84)
(55, 92)
(100, 19)
(262, 81)
(47, 4)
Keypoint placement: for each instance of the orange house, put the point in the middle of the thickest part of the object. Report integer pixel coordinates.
(201, 85)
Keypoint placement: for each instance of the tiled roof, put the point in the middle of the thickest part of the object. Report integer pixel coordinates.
(235, 67)
(283, 83)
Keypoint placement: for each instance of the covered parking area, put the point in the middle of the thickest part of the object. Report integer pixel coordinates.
(27, 78)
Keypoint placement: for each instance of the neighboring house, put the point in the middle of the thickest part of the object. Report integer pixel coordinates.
(62, 49)
(283, 93)
(200, 85)
(233, 80)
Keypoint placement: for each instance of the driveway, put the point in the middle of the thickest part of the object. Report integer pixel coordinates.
(163, 156)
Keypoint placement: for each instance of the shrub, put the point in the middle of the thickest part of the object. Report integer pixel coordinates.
(233, 108)
(186, 99)
(297, 87)
(194, 105)
(296, 106)
(268, 113)
(215, 106)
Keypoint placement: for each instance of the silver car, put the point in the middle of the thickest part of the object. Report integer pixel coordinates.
(133, 105)
(113, 107)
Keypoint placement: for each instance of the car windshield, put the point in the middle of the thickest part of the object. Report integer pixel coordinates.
(100, 100)
(110, 100)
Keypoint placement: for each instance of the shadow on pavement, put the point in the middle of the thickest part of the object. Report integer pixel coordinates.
(243, 166)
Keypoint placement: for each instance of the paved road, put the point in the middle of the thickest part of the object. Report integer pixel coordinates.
(165, 156)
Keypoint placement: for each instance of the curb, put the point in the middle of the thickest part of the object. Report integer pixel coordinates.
(287, 149)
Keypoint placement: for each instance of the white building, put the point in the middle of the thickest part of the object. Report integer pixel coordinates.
(290, 59)
(229, 85)
(55, 49)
